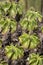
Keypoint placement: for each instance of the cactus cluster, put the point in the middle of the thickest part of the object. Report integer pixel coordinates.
(19, 34)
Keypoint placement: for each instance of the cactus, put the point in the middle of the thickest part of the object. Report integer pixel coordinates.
(30, 41)
(35, 59)
(15, 52)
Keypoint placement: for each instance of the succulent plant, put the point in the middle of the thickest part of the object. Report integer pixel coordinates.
(11, 8)
(20, 8)
(3, 63)
(24, 40)
(30, 41)
(5, 25)
(15, 52)
(15, 7)
(34, 41)
(30, 22)
(35, 59)
(5, 6)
